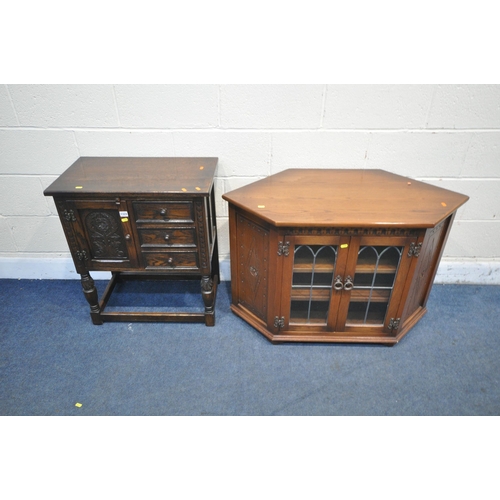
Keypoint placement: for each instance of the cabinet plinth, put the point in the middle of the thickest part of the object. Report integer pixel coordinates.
(329, 255)
(141, 218)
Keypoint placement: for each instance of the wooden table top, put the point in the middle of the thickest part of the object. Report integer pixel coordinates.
(95, 175)
(345, 198)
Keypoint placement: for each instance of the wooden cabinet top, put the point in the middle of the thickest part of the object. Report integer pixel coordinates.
(345, 198)
(95, 175)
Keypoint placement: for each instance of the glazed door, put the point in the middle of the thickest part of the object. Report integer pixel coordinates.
(103, 234)
(310, 268)
(373, 283)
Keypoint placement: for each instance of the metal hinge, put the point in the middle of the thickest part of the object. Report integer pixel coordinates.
(284, 248)
(279, 323)
(393, 323)
(414, 250)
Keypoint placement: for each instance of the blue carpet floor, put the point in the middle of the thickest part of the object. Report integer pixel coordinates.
(52, 357)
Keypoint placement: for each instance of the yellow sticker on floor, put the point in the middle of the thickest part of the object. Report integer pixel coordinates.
(78, 405)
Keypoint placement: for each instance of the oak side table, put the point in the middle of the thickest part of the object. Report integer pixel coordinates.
(326, 255)
(141, 218)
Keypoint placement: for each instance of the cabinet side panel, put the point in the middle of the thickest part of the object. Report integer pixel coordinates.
(253, 261)
(202, 228)
(427, 265)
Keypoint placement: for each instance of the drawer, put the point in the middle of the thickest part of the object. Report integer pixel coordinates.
(168, 237)
(166, 211)
(171, 260)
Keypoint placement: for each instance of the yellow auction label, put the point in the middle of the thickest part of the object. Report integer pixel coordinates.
(344, 245)
(124, 219)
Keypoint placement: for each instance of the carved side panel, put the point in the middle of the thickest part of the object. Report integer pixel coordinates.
(424, 273)
(253, 252)
(202, 236)
(105, 235)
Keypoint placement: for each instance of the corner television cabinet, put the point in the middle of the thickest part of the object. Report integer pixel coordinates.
(141, 218)
(336, 255)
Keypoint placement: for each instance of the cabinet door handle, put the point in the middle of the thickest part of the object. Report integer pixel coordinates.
(348, 284)
(337, 284)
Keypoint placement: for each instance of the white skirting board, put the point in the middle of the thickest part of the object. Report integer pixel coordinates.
(470, 272)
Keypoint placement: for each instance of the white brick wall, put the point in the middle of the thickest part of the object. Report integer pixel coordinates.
(447, 135)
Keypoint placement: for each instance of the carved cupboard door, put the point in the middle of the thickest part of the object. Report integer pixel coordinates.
(103, 234)
(311, 267)
(376, 274)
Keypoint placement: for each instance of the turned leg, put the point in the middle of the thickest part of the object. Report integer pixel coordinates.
(90, 293)
(208, 294)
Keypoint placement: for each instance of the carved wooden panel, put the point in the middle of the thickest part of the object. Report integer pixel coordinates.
(424, 273)
(67, 217)
(352, 231)
(202, 234)
(253, 248)
(105, 235)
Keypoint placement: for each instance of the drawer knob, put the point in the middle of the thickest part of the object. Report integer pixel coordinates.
(127, 236)
(170, 261)
(167, 237)
(163, 211)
